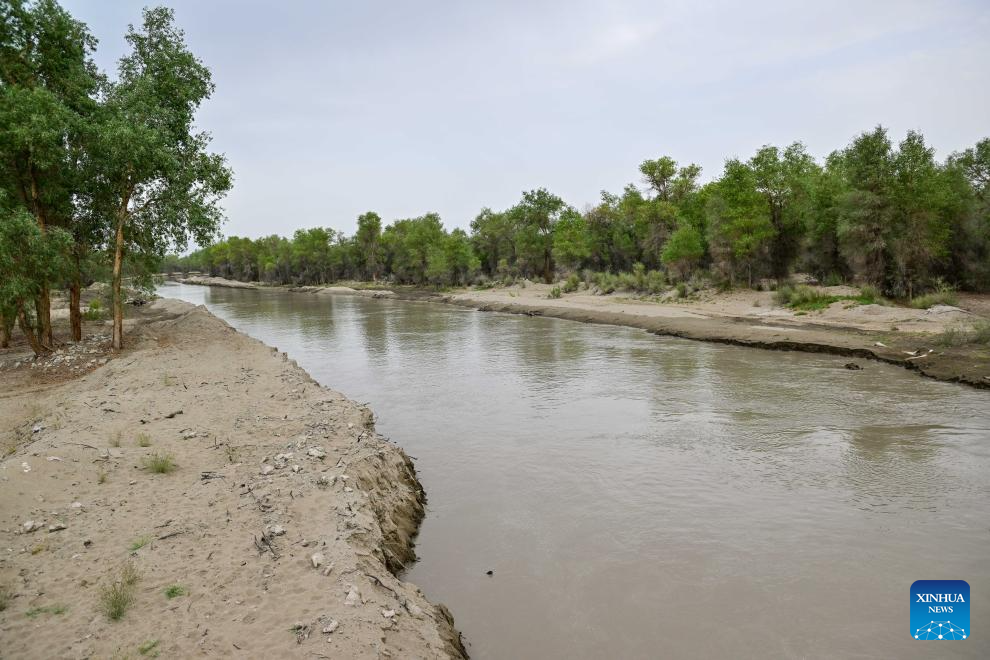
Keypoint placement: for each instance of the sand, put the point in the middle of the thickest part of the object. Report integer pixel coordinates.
(261, 451)
(897, 335)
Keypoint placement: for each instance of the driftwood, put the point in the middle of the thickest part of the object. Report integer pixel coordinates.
(266, 544)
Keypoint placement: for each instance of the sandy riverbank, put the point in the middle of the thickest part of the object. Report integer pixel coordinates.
(897, 335)
(261, 452)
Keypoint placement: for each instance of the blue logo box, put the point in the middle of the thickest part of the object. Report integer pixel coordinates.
(940, 610)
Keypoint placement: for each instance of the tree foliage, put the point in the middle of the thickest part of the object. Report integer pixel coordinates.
(874, 212)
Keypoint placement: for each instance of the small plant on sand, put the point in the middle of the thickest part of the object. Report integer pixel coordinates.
(115, 599)
(101, 477)
(174, 591)
(978, 333)
(571, 284)
(554, 293)
(143, 440)
(149, 648)
(159, 463)
(117, 596)
(129, 575)
(943, 295)
(6, 595)
(34, 612)
(94, 312)
(115, 439)
(139, 543)
(809, 299)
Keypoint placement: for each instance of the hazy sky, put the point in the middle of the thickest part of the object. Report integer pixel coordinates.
(328, 109)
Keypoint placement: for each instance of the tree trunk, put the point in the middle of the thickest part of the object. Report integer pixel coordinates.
(28, 331)
(75, 295)
(45, 317)
(75, 314)
(4, 332)
(118, 302)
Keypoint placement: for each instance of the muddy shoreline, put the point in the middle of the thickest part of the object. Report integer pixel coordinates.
(284, 524)
(967, 365)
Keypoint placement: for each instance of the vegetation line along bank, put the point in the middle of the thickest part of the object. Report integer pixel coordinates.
(891, 217)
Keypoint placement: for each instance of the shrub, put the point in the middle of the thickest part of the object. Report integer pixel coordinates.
(942, 297)
(115, 598)
(571, 284)
(47, 609)
(656, 282)
(682, 290)
(606, 282)
(834, 279)
(94, 312)
(870, 295)
(554, 292)
(6, 595)
(136, 545)
(978, 333)
(149, 648)
(174, 591)
(159, 463)
(143, 440)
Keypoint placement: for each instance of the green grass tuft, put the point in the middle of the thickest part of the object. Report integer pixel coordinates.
(977, 334)
(174, 591)
(115, 599)
(139, 543)
(34, 612)
(808, 299)
(159, 463)
(149, 648)
(143, 440)
(942, 297)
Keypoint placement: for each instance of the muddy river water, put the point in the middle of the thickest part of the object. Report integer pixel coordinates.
(647, 497)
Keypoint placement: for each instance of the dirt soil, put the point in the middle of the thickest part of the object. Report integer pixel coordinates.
(898, 335)
(279, 531)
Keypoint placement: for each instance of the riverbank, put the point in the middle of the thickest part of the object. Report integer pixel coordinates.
(275, 528)
(907, 337)
(896, 335)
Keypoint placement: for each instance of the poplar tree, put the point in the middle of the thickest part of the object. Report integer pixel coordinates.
(158, 183)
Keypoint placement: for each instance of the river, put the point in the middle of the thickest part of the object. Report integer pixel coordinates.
(642, 497)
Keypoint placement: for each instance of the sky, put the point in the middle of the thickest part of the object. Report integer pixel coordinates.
(329, 109)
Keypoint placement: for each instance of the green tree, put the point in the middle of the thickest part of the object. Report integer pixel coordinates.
(571, 240)
(536, 216)
(971, 240)
(47, 80)
(684, 251)
(784, 181)
(31, 260)
(492, 235)
(369, 241)
(865, 212)
(740, 231)
(159, 183)
(925, 207)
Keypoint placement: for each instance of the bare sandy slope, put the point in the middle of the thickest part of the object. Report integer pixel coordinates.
(897, 335)
(261, 449)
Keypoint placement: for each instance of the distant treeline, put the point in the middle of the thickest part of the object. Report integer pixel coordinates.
(890, 216)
